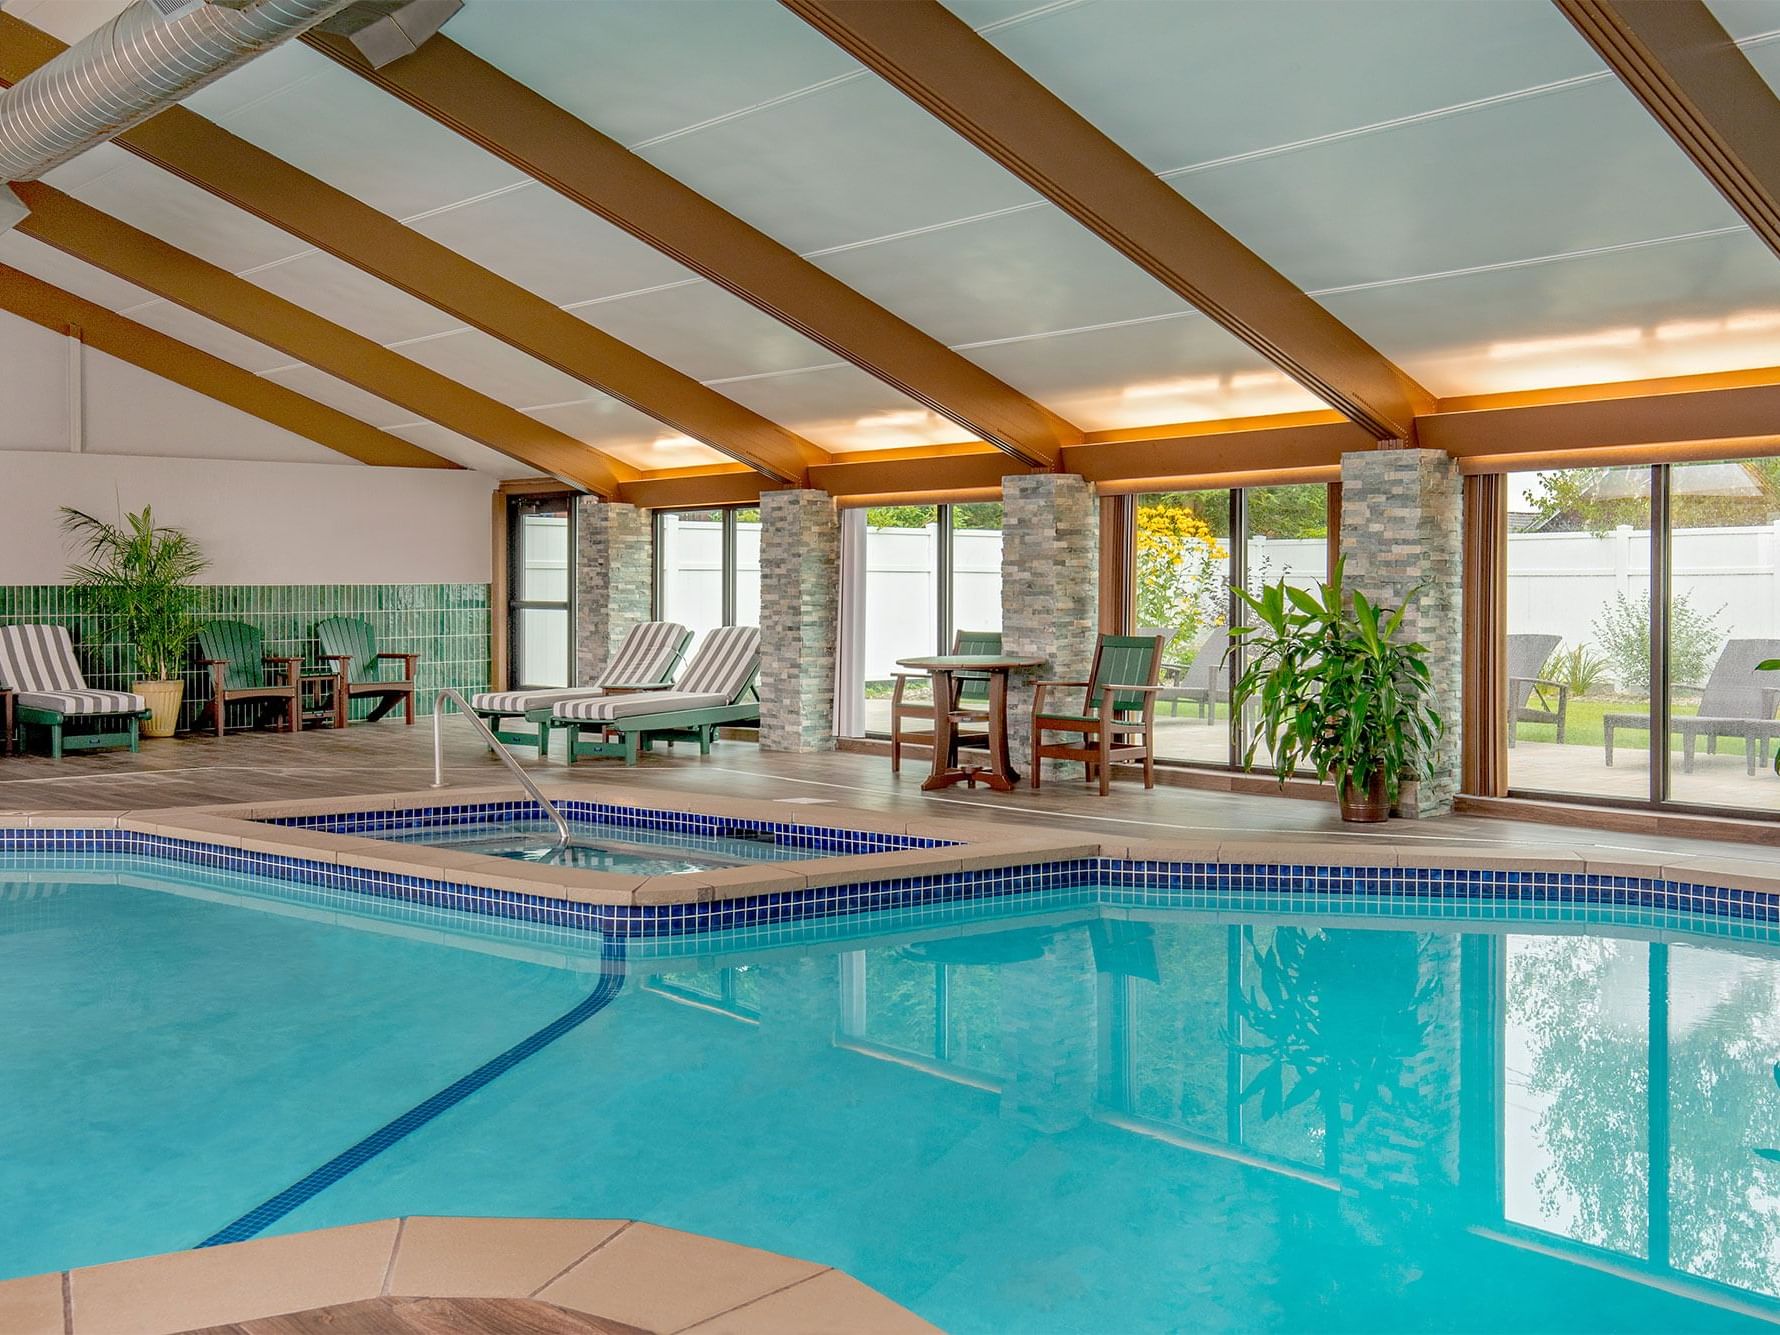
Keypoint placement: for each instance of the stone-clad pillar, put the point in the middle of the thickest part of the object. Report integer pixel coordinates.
(1050, 586)
(1402, 527)
(800, 545)
(614, 578)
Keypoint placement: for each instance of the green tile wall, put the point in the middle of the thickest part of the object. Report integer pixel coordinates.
(447, 624)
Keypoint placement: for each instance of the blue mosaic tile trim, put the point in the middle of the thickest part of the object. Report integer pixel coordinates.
(1120, 884)
(349, 1161)
(785, 834)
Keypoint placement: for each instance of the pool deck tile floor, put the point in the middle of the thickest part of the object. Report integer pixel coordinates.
(624, 1274)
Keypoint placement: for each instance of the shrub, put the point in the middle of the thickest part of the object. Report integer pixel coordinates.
(1623, 630)
(1580, 669)
(1178, 581)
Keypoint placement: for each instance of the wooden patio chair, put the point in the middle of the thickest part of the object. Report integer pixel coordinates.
(645, 661)
(1737, 701)
(351, 646)
(715, 690)
(1532, 698)
(970, 697)
(242, 672)
(1117, 722)
(50, 692)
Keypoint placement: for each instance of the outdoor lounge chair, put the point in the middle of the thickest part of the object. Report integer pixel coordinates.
(234, 652)
(1528, 698)
(1117, 724)
(51, 692)
(351, 646)
(645, 661)
(1737, 701)
(970, 692)
(716, 689)
(1201, 682)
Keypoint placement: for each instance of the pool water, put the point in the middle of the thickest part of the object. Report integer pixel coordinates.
(1071, 1120)
(601, 846)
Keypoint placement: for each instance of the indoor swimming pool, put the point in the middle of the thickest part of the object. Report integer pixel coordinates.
(1045, 1112)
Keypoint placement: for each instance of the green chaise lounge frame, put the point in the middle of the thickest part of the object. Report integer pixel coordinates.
(717, 689)
(970, 691)
(645, 661)
(1117, 722)
(242, 672)
(51, 693)
(351, 646)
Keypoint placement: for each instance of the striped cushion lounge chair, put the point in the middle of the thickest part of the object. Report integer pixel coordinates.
(717, 688)
(645, 661)
(38, 663)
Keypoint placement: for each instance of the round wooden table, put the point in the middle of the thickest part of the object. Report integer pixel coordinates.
(1000, 773)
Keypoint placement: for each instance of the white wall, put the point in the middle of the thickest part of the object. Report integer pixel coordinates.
(268, 507)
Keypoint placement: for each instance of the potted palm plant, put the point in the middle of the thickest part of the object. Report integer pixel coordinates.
(1337, 687)
(141, 575)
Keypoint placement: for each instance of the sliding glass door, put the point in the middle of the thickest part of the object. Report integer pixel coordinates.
(1642, 603)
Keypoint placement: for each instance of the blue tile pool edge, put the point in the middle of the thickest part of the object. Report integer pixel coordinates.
(1120, 884)
(786, 834)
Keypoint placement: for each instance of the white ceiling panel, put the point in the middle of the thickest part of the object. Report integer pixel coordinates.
(853, 161)
(209, 336)
(627, 434)
(1567, 171)
(160, 203)
(497, 369)
(461, 450)
(1744, 19)
(68, 20)
(842, 408)
(639, 69)
(66, 272)
(706, 332)
(1705, 305)
(1184, 369)
(1177, 83)
(349, 399)
(260, 78)
(534, 237)
(339, 127)
(1030, 272)
(348, 296)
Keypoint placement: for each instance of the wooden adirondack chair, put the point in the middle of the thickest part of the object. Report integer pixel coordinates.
(971, 702)
(351, 646)
(241, 672)
(1117, 723)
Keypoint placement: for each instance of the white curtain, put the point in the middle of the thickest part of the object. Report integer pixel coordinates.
(849, 658)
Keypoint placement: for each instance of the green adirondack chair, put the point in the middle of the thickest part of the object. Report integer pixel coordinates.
(971, 697)
(241, 672)
(1117, 722)
(351, 646)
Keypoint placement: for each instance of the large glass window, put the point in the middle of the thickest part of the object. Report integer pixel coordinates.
(707, 568)
(1188, 548)
(538, 599)
(1601, 561)
(930, 571)
(1579, 618)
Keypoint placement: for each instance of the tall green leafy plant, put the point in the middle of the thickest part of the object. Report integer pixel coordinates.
(1336, 686)
(141, 575)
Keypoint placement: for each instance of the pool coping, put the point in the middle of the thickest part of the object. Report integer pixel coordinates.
(980, 859)
(618, 1270)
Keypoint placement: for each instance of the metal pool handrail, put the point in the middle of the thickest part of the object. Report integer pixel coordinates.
(463, 708)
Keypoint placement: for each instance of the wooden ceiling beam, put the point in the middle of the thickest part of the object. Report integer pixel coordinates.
(108, 243)
(206, 155)
(498, 113)
(1676, 58)
(928, 53)
(150, 350)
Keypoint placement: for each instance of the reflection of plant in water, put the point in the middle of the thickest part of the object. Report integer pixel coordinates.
(1341, 1012)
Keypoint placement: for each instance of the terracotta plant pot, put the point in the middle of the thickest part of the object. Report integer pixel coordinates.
(1366, 805)
(163, 699)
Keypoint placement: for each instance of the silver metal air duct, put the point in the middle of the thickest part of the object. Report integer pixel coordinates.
(133, 67)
